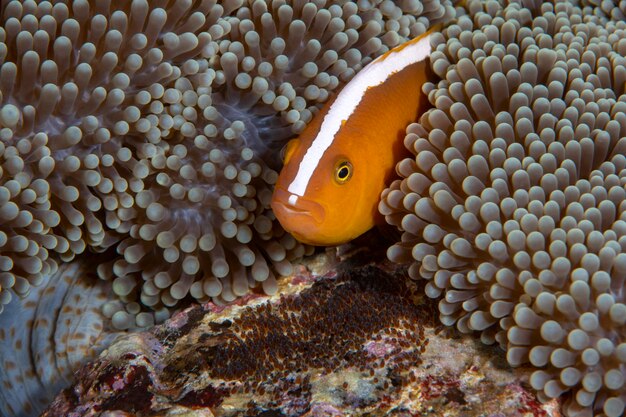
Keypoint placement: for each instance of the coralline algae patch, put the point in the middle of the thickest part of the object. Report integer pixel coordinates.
(153, 129)
(348, 345)
(513, 206)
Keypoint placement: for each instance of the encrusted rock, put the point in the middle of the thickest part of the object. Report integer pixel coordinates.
(351, 340)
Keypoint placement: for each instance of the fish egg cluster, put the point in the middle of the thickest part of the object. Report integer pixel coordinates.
(150, 131)
(513, 207)
(324, 329)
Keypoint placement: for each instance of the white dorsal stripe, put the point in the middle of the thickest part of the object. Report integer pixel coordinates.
(374, 74)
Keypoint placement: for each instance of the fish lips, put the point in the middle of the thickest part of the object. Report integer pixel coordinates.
(295, 213)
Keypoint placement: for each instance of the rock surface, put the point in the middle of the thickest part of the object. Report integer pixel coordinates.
(343, 338)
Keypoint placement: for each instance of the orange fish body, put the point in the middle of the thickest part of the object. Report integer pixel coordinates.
(329, 188)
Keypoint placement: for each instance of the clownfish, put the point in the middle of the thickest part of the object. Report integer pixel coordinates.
(328, 190)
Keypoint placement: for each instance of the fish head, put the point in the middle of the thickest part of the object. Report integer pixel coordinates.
(333, 206)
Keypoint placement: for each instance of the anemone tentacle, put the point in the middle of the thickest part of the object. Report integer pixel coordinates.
(513, 207)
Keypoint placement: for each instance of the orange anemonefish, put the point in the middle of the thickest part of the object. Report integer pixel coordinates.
(329, 188)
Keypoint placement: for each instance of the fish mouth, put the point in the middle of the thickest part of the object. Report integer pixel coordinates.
(290, 208)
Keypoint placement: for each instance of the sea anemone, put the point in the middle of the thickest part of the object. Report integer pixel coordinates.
(513, 207)
(48, 334)
(614, 10)
(152, 131)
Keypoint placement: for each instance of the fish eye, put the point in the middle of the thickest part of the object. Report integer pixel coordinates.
(343, 172)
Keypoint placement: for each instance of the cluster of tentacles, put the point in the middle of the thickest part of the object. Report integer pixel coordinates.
(150, 130)
(513, 207)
